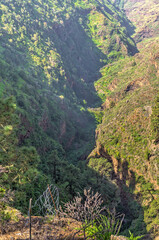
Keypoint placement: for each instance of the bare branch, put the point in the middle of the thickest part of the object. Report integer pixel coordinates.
(84, 210)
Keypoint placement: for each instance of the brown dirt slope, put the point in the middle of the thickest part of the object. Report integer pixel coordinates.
(145, 16)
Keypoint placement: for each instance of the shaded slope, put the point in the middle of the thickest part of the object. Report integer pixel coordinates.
(50, 55)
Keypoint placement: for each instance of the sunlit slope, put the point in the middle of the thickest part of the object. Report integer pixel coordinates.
(127, 138)
(144, 14)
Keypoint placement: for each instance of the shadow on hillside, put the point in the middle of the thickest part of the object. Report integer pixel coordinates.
(82, 60)
(117, 191)
(81, 57)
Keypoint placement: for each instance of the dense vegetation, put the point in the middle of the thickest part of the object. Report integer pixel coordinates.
(127, 138)
(50, 56)
(48, 68)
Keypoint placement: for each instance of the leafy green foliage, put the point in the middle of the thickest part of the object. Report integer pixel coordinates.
(97, 113)
(101, 165)
(134, 238)
(125, 140)
(102, 228)
(21, 163)
(50, 54)
(3, 215)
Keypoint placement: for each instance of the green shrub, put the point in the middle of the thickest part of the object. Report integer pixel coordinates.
(4, 216)
(103, 227)
(132, 237)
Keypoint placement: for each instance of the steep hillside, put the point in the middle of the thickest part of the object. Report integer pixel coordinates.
(144, 15)
(127, 138)
(50, 56)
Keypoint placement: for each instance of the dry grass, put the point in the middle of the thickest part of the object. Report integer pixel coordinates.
(43, 228)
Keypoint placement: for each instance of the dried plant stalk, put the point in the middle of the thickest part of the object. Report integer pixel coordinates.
(86, 209)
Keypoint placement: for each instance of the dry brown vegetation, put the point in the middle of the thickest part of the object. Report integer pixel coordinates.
(144, 15)
(44, 228)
